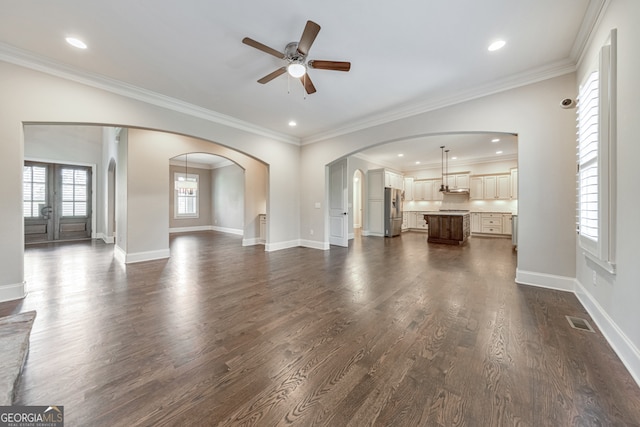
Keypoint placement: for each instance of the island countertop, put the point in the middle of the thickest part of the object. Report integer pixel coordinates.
(446, 213)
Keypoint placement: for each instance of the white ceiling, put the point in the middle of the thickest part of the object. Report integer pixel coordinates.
(407, 56)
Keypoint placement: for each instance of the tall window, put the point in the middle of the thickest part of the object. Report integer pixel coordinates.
(596, 157)
(34, 185)
(186, 195)
(74, 192)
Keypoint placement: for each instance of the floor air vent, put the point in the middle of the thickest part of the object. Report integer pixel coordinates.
(577, 323)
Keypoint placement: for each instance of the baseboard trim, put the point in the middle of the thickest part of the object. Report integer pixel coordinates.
(252, 241)
(188, 229)
(542, 280)
(621, 344)
(135, 257)
(272, 247)
(314, 244)
(106, 239)
(236, 231)
(12, 292)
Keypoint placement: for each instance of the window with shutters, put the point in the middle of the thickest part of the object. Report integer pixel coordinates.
(34, 190)
(186, 195)
(595, 158)
(74, 192)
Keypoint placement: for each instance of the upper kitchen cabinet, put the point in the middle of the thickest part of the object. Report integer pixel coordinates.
(457, 181)
(514, 183)
(490, 187)
(476, 188)
(393, 180)
(408, 189)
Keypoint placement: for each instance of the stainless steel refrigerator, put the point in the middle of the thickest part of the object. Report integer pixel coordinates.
(392, 212)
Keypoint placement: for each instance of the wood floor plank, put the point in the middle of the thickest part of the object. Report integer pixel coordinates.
(389, 331)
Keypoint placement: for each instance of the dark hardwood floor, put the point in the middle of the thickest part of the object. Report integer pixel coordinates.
(390, 331)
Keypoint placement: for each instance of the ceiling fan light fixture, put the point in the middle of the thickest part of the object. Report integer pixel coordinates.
(296, 69)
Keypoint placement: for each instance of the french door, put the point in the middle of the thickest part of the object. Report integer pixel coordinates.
(56, 202)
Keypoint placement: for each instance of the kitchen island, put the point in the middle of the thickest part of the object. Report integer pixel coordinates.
(449, 227)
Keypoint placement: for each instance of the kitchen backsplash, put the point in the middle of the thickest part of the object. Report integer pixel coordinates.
(462, 202)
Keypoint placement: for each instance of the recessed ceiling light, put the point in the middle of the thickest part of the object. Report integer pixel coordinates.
(76, 42)
(417, 163)
(495, 140)
(400, 155)
(292, 123)
(498, 152)
(454, 158)
(499, 44)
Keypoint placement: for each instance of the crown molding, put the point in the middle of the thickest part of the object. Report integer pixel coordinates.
(546, 72)
(591, 19)
(26, 59)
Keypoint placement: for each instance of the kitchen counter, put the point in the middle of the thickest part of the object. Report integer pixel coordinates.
(448, 227)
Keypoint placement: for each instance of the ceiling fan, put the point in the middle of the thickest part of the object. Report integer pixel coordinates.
(295, 54)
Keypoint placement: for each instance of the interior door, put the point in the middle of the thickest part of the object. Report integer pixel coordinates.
(56, 202)
(338, 202)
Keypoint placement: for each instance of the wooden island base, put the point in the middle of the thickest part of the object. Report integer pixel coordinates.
(451, 228)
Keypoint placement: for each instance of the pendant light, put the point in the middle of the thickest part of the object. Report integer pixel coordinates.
(446, 187)
(442, 188)
(184, 184)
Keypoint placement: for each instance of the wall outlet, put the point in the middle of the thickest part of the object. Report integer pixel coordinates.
(595, 278)
(311, 231)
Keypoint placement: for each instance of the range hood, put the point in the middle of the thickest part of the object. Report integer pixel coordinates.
(457, 191)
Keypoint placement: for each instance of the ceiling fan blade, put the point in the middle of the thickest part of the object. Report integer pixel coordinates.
(308, 84)
(309, 34)
(273, 75)
(330, 65)
(262, 47)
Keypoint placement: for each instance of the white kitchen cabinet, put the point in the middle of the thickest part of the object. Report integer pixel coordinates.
(476, 188)
(375, 202)
(405, 221)
(437, 194)
(411, 216)
(418, 189)
(490, 187)
(376, 217)
(263, 227)
(428, 190)
(514, 183)
(476, 222)
(507, 224)
(393, 180)
(408, 189)
(455, 181)
(503, 187)
(491, 223)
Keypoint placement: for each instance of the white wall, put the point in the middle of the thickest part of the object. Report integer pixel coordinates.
(227, 208)
(546, 151)
(35, 97)
(613, 299)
